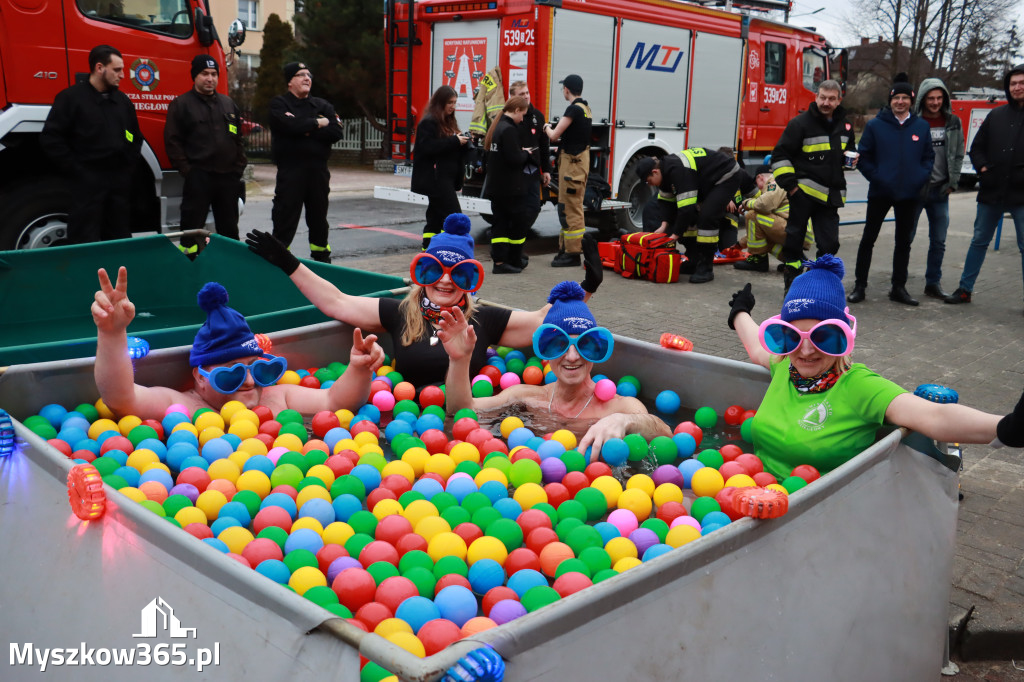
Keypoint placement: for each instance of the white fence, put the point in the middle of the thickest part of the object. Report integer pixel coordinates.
(358, 135)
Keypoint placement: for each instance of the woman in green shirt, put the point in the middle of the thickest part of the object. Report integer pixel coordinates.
(820, 407)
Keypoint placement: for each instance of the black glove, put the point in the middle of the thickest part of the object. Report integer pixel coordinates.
(742, 302)
(272, 250)
(1010, 429)
(592, 265)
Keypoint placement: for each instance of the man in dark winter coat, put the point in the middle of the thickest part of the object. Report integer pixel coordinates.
(896, 157)
(933, 105)
(808, 163)
(998, 154)
(532, 136)
(304, 128)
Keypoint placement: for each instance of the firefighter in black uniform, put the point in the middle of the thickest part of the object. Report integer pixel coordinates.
(695, 177)
(538, 167)
(304, 128)
(92, 135)
(203, 138)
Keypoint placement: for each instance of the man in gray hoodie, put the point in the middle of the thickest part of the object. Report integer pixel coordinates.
(933, 105)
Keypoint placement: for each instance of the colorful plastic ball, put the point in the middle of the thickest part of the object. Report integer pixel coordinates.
(764, 479)
(477, 625)
(519, 436)
(437, 634)
(747, 430)
(692, 429)
(624, 388)
(711, 458)
(615, 452)
(506, 611)
(305, 578)
(793, 483)
(604, 390)
(643, 538)
(667, 402)
(523, 580)
(552, 555)
(275, 570)
(733, 415)
(417, 611)
(354, 587)
(705, 417)
(446, 544)
(706, 482)
(482, 389)
(806, 472)
(456, 603)
(702, 506)
(636, 501)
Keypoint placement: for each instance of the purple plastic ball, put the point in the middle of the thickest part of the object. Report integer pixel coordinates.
(667, 473)
(507, 610)
(643, 538)
(339, 565)
(186, 489)
(552, 469)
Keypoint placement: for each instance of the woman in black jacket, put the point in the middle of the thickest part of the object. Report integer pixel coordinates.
(506, 187)
(437, 160)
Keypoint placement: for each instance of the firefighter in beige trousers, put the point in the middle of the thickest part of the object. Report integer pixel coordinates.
(573, 130)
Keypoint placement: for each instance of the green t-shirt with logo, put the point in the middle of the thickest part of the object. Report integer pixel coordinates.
(821, 429)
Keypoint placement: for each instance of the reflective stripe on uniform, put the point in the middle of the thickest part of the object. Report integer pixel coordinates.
(707, 236)
(517, 242)
(500, 240)
(188, 249)
(574, 234)
(692, 232)
(813, 189)
(765, 220)
(782, 167)
(686, 199)
(816, 144)
(689, 157)
(665, 196)
(314, 248)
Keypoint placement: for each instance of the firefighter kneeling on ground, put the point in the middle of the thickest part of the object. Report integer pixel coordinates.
(694, 177)
(765, 216)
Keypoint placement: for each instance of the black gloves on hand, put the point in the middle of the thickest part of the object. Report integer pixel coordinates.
(1010, 430)
(273, 251)
(742, 302)
(592, 264)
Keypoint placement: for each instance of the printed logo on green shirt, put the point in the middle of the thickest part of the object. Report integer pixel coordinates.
(816, 416)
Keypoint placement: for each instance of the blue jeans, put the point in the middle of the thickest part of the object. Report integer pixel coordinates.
(936, 207)
(984, 227)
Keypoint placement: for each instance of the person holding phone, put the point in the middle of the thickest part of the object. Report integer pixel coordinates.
(506, 189)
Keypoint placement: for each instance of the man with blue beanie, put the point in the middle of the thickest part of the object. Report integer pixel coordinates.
(227, 363)
(572, 343)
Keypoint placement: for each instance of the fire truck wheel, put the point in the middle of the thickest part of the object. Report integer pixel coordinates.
(636, 193)
(35, 215)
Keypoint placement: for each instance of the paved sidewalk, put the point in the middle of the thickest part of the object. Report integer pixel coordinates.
(345, 181)
(977, 348)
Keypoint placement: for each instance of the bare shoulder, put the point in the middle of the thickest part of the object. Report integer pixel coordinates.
(627, 405)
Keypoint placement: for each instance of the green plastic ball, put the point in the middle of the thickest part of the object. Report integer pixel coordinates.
(314, 457)
(793, 483)
(406, 406)
(525, 471)
(705, 417)
(287, 416)
(456, 515)
(702, 506)
(516, 366)
(603, 575)
(410, 496)
(658, 526)
(596, 559)
(141, 433)
(88, 411)
(508, 531)
(539, 596)
(582, 537)
(295, 459)
(374, 459)
(747, 430)
(664, 449)
(572, 566)
(354, 545)
(499, 461)
(296, 429)
(711, 458)
(483, 389)
(363, 522)
(415, 558)
(423, 578)
(250, 499)
(443, 500)
(285, 474)
(638, 447)
(632, 380)
(503, 351)
(339, 610)
(468, 467)
(435, 410)
(297, 558)
(485, 516)
(372, 672)
(447, 565)
(278, 535)
(594, 501)
(321, 595)
(396, 377)
(572, 509)
(466, 412)
(106, 465)
(563, 527)
(175, 503)
(573, 460)
(381, 571)
(348, 484)
(117, 482)
(151, 505)
(311, 480)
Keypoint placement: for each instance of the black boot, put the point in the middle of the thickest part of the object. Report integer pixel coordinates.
(703, 267)
(321, 256)
(516, 257)
(901, 295)
(789, 273)
(753, 263)
(566, 260)
(856, 295)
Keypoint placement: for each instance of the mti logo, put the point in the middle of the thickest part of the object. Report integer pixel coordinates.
(658, 58)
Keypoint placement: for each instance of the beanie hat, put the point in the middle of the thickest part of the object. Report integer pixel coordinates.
(292, 68)
(568, 311)
(645, 167)
(818, 293)
(225, 335)
(762, 169)
(454, 243)
(201, 62)
(901, 86)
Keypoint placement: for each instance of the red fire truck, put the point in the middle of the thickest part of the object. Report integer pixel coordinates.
(43, 49)
(972, 112)
(659, 75)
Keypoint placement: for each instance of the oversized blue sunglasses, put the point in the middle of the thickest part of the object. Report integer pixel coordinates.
(265, 372)
(594, 345)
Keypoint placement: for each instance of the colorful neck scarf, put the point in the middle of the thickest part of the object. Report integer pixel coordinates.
(816, 384)
(432, 312)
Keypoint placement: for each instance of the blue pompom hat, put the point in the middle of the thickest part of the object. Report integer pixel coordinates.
(454, 243)
(568, 311)
(225, 336)
(818, 293)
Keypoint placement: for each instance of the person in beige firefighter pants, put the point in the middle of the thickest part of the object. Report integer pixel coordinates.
(573, 168)
(765, 216)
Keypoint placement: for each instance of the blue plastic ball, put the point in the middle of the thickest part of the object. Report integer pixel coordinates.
(319, 509)
(710, 528)
(183, 436)
(155, 446)
(615, 452)
(188, 462)
(687, 468)
(121, 457)
(519, 437)
(667, 402)
(522, 580)
(535, 443)
(216, 448)
(113, 434)
(597, 377)
(172, 419)
(408, 417)
(625, 388)
(222, 523)
(233, 439)
(485, 574)
(494, 491)
(237, 511)
(371, 412)
(72, 435)
(396, 427)
(303, 538)
(87, 444)
(607, 530)
(346, 505)
(275, 569)
(550, 378)
(427, 487)
(429, 421)
(508, 507)
(456, 603)
(713, 518)
(416, 611)
(129, 474)
(259, 463)
(219, 545)
(280, 500)
(461, 487)
(685, 444)
(550, 448)
(74, 420)
(655, 551)
(158, 475)
(53, 413)
(368, 474)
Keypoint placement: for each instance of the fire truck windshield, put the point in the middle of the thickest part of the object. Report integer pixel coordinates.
(170, 17)
(814, 68)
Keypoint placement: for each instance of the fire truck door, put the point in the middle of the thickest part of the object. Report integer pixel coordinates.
(463, 53)
(583, 44)
(654, 66)
(716, 91)
(32, 44)
(774, 85)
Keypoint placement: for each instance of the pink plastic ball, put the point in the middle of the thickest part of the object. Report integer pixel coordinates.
(384, 401)
(624, 520)
(481, 377)
(176, 407)
(509, 379)
(275, 453)
(688, 520)
(605, 389)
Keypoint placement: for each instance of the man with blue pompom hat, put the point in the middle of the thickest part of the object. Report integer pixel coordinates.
(227, 362)
(572, 342)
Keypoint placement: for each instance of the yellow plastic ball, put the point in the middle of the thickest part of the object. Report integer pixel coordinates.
(510, 424)
(386, 507)
(224, 468)
(208, 434)
(409, 642)
(210, 501)
(243, 414)
(344, 417)
(369, 448)
(155, 465)
(490, 474)
(417, 510)
(529, 495)
(465, 452)
(289, 441)
(417, 459)
(445, 544)
(208, 419)
(255, 481)
(399, 468)
(127, 423)
(101, 426)
(228, 409)
(346, 444)
(681, 534)
(366, 438)
(609, 487)
(626, 563)
(310, 523)
(442, 465)
(641, 482)
(236, 538)
(636, 501)
(239, 457)
(140, 458)
(777, 486)
(324, 473)
(243, 428)
(486, 547)
(186, 426)
(707, 482)
(431, 526)
(566, 437)
(391, 625)
(311, 492)
(290, 377)
(103, 410)
(337, 533)
(667, 492)
(384, 370)
(740, 481)
(187, 515)
(305, 578)
(133, 494)
(254, 446)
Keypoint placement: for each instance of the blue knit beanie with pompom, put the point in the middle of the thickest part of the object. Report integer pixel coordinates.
(454, 244)
(818, 293)
(225, 335)
(568, 311)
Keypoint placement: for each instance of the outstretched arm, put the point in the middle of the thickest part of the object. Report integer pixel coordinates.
(350, 390)
(943, 422)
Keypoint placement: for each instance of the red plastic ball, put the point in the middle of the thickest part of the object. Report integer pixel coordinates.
(156, 426)
(339, 465)
(309, 381)
(351, 455)
(724, 500)
(200, 530)
(492, 373)
(365, 426)
(729, 469)
(378, 494)
(452, 579)
(194, 476)
(595, 470)
(733, 415)
(671, 510)
(764, 479)
(240, 559)
(540, 538)
(323, 422)
(324, 557)
(354, 587)
(264, 413)
(392, 528)
(451, 444)
(378, 550)
(524, 453)
(690, 428)
(378, 385)
(431, 395)
(463, 427)
(434, 441)
(272, 516)
(288, 490)
(533, 375)
(493, 445)
(478, 437)
(575, 481)
(362, 626)
(520, 558)
(271, 427)
(372, 613)
(403, 390)
(433, 476)
(116, 443)
(63, 446)
(397, 484)
(395, 590)
(437, 634)
(266, 439)
(557, 494)
(752, 463)
(260, 549)
(806, 472)
(570, 583)
(84, 455)
(749, 414)
(468, 532)
(533, 518)
(495, 595)
(410, 542)
(730, 452)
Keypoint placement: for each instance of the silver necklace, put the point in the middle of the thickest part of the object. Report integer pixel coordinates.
(585, 406)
